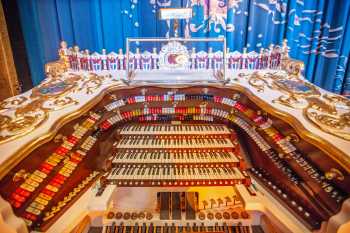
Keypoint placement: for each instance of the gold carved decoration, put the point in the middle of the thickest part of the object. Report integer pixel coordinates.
(334, 173)
(20, 115)
(58, 67)
(329, 112)
(292, 67)
(258, 82)
(92, 83)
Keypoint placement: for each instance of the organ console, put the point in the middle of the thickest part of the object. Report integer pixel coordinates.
(261, 151)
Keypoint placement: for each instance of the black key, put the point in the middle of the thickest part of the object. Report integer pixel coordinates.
(138, 170)
(127, 229)
(124, 171)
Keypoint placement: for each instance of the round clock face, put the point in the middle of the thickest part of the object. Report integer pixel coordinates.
(173, 55)
(175, 59)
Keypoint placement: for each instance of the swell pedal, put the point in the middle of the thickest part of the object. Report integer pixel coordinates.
(191, 205)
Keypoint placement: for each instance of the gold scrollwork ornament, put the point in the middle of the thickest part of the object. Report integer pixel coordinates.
(338, 125)
(258, 82)
(334, 173)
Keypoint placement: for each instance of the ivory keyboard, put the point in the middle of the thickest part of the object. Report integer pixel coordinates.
(153, 175)
(156, 142)
(164, 156)
(168, 129)
(176, 155)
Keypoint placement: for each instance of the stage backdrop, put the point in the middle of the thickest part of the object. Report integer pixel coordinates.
(318, 32)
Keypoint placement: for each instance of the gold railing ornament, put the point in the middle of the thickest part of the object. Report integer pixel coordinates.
(334, 173)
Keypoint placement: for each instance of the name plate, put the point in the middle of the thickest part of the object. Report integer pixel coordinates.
(175, 13)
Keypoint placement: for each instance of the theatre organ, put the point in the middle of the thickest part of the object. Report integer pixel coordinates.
(252, 153)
